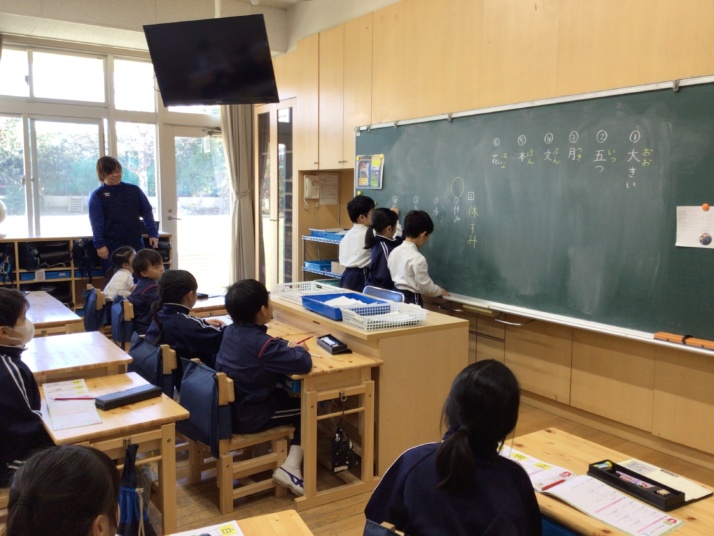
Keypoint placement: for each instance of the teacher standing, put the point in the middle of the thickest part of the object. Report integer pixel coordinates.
(114, 211)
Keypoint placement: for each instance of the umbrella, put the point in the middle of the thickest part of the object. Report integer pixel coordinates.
(133, 512)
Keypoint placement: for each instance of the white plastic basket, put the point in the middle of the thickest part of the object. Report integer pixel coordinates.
(294, 292)
(383, 316)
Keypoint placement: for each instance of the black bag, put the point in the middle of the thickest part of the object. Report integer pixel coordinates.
(29, 257)
(343, 455)
(84, 256)
(54, 254)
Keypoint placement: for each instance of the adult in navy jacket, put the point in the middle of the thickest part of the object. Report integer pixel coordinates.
(462, 486)
(21, 428)
(114, 211)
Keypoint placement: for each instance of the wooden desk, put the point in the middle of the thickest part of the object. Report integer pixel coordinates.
(151, 424)
(419, 365)
(574, 453)
(285, 523)
(210, 307)
(50, 316)
(331, 377)
(73, 356)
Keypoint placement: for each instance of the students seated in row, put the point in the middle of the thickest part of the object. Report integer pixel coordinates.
(173, 325)
(65, 491)
(148, 267)
(407, 266)
(380, 243)
(462, 485)
(121, 278)
(21, 428)
(353, 256)
(256, 362)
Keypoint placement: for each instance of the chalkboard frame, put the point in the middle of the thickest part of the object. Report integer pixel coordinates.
(496, 307)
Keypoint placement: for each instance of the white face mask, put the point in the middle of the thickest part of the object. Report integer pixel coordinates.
(21, 335)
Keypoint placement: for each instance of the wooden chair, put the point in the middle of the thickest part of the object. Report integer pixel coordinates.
(122, 319)
(211, 442)
(95, 310)
(4, 500)
(383, 293)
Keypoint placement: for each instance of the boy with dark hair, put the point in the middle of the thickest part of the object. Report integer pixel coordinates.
(353, 256)
(148, 267)
(255, 362)
(21, 428)
(407, 266)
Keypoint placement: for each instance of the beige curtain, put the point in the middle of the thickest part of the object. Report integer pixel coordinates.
(237, 127)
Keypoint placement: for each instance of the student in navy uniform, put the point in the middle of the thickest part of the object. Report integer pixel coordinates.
(256, 362)
(353, 256)
(65, 491)
(407, 266)
(148, 267)
(462, 486)
(21, 428)
(173, 325)
(114, 211)
(380, 243)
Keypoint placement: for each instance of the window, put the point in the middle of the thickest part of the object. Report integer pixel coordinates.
(134, 86)
(14, 73)
(65, 77)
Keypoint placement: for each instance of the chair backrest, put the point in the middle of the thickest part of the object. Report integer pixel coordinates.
(375, 529)
(383, 293)
(95, 312)
(209, 412)
(153, 363)
(122, 318)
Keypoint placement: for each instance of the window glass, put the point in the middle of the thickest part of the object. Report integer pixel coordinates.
(134, 86)
(14, 73)
(136, 150)
(198, 109)
(12, 189)
(51, 79)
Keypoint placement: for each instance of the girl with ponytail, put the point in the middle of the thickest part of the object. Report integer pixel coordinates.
(462, 485)
(385, 235)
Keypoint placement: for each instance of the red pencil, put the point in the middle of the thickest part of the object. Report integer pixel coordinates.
(305, 339)
(75, 398)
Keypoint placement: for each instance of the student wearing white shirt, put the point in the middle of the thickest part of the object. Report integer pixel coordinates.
(121, 281)
(353, 256)
(407, 266)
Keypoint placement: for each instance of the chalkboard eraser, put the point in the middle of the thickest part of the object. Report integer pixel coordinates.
(700, 343)
(479, 310)
(670, 337)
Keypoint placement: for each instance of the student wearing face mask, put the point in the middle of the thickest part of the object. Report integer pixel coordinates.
(21, 428)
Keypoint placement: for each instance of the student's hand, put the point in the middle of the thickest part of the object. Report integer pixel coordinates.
(303, 345)
(443, 292)
(154, 242)
(395, 210)
(217, 322)
(103, 252)
(133, 287)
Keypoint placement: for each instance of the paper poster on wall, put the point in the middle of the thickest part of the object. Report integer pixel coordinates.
(695, 227)
(329, 189)
(369, 170)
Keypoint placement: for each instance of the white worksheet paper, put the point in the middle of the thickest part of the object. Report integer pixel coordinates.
(224, 529)
(70, 413)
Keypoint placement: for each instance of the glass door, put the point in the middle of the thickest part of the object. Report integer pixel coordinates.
(12, 177)
(274, 193)
(196, 201)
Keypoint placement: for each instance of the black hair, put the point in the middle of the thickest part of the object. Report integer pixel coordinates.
(244, 300)
(12, 305)
(381, 219)
(106, 165)
(358, 206)
(480, 411)
(416, 222)
(145, 259)
(173, 286)
(62, 490)
(120, 257)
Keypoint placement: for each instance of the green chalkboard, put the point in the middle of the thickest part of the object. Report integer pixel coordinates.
(567, 208)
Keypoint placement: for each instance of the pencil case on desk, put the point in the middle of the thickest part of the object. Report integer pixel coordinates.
(129, 396)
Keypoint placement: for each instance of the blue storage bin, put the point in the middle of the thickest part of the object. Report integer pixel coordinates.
(64, 274)
(316, 303)
(322, 266)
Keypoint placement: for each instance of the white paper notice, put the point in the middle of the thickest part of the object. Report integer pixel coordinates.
(69, 404)
(329, 189)
(605, 503)
(543, 475)
(695, 227)
(224, 529)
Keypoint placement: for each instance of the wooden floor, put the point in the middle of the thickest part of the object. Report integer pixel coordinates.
(197, 503)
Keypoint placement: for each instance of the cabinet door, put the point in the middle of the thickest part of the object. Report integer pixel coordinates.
(357, 82)
(332, 43)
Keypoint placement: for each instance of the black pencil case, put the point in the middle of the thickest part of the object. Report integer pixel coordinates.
(129, 396)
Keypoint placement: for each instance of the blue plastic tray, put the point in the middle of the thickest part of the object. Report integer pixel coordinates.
(316, 303)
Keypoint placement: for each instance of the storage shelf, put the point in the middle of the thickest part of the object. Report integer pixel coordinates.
(310, 238)
(319, 272)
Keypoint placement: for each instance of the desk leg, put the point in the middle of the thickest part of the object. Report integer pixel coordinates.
(367, 432)
(167, 478)
(308, 418)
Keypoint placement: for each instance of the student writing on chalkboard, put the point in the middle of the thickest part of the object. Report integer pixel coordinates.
(407, 266)
(353, 256)
(380, 243)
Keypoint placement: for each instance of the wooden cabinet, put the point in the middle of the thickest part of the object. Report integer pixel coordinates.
(345, 90)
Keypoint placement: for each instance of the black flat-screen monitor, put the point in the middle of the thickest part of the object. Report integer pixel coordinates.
(213, 61)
